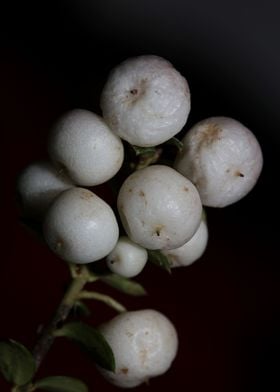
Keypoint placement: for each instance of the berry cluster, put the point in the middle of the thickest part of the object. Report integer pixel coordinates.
(145, 103)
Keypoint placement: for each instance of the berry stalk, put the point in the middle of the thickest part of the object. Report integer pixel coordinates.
(80, 278)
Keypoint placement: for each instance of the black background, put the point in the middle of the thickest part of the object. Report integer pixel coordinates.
(56, 56)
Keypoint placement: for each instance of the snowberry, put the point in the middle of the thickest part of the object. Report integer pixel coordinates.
(80, 227)
(83, 145)
(159, 208)
(222, 158)
(144, 344)
(146, 101)
(38, 185)
(191, 250)
(127, 258)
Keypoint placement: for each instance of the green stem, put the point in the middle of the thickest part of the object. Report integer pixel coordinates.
(45, 342)
(104, 298)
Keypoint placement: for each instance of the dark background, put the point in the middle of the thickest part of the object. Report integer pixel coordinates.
(56, 56)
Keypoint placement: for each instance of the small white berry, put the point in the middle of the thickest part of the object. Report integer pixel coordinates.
(159, 208)
(222, 158)
(82, 144)
(191, 250)
(144, 344)
(146, 101)
(127, 258)
(80, 227)
(38, 185)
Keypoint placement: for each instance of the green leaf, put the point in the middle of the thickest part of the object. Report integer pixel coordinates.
(176, 143)
(16, 362)
(91, 340)
(159, 259)
(144, 150)
(124, 285)
(80, 309)
(61, 384)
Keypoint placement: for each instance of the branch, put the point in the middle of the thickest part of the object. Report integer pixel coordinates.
(47, 337)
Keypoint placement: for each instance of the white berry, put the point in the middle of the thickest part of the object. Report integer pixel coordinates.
(222, 158)
(191, 250)
(82, 144)
(80, 227)
(146, 101)
(38, 185)
(159, 208)
(127, 258)
(144, 344)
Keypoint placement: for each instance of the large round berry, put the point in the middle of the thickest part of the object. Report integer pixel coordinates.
(80, 227)
(146, 101)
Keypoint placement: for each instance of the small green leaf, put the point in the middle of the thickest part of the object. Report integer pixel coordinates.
(61, 384)
(175, 142)
(80, 309)
(91, 340)
(16, 362)
(159, 259)
(146, 155)
(124, 285)
(144, 150)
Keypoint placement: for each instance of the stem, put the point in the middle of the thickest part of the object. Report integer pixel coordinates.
(104, 298)
(47, 337)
